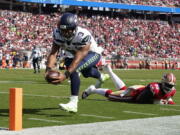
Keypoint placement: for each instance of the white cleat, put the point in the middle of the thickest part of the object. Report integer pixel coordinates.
(88, 91)
(104, 77)
(69, 107)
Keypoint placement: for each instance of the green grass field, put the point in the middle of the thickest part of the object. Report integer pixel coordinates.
(40, 100)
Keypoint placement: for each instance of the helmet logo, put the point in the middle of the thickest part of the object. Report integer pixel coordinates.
(168, 82)
(63, 27)
(75, 19)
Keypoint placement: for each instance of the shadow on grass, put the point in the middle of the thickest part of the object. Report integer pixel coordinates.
(93, 99)
(38, 111)
(129, 101)
(4, 129)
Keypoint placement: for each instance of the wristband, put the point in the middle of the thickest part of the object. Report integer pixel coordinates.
(48, 69)
(67, 74)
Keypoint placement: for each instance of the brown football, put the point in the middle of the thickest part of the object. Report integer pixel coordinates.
(50, 76)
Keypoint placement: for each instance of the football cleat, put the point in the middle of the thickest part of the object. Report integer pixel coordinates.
(105, 77)
(88, 91)
(99, 82)
(69, 107)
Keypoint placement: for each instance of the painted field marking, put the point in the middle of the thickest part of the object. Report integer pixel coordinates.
(33, 95)
(4, 120)
(172, 105)
(4, 92)
(139, 113)
(96, 116)
(30, 82)
(46, 96)
(169, 109)
(45, 120)
(27, 82)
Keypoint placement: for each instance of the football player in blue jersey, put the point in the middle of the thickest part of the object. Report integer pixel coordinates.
(83, 55)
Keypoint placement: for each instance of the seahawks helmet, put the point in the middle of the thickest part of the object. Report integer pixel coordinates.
(67, 25)
(168, 82)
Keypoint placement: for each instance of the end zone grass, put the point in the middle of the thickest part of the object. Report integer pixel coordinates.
(40, 107)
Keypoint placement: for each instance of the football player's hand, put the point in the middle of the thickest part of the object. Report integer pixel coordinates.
(161, 101)
(46, 74)
(164, 101)
(59, 78)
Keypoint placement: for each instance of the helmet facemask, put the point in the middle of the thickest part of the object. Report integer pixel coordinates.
(68, 25)
(68, 34)
(168, 82)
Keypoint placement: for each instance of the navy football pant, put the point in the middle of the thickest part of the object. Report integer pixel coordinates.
(88, 69)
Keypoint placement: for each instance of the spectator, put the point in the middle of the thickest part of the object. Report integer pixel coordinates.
(167, 3)
(130, 37)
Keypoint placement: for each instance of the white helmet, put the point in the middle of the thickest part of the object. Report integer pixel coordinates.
(168, 82)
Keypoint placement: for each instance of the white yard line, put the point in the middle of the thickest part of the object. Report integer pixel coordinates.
(96, 116)
(26, 82)
(33, 95)
(141, 113)
(172, 105)
(169, 109)
(45, 96)
(84, 115)
(45, 120)
(4, 92)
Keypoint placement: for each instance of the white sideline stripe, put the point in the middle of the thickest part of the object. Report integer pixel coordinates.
(39, 95)
(146, 126)
(45, 120)
(167, 109)
(139, 113)
(96, 116)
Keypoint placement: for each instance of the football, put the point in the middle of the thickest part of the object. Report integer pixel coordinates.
(50, 76)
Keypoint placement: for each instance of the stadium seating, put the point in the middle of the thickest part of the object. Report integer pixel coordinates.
(162, 3)
(129, 37)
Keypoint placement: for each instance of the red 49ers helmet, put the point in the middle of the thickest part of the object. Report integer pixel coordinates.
(168, 82)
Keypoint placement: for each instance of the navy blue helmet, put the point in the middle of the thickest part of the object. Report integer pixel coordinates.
(67, 25)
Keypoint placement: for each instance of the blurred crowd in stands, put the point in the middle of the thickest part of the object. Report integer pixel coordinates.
(120, 37)
(162, 3)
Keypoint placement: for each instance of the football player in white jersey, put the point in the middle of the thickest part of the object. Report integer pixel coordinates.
(85, 54)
